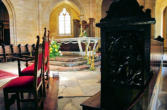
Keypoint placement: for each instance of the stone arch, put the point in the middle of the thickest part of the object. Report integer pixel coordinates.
(53, 24)
(159, 9)
(12, 20)
(45, 13)
(105, 7)
(164, 33)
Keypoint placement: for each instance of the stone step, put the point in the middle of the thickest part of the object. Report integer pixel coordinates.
(75, 68)
(68, 64)
(67, 59)
(69, 53)
(71, 64)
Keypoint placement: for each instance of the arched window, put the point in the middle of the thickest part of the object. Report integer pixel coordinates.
(64, 23)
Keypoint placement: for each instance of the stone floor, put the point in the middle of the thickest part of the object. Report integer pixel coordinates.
(162, 97)
(11, 66)
(74, 87)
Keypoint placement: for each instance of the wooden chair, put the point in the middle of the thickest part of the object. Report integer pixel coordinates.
(8, 53)
(27, 84)
(24, 51)
(27, 54)
(29, 49)
(28, 71)
(33, 49)
(15, 50)
(31, 52)
(2, 55)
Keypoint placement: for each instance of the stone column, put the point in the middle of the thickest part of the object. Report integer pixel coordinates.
(76, 27)
(91, 27)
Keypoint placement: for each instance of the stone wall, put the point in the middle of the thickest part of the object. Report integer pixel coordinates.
(29, 17)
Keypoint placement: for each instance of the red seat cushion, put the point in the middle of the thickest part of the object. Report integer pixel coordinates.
(28, 71)
(22, 81)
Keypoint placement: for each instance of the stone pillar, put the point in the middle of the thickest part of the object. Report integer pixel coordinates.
(164, 35)
(91, 27)
(76, 27)
(85, 27)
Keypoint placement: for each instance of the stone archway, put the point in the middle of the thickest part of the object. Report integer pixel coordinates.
(12, 21)
(46, 12)
(4, 25)
(159, 16)
(105, 7)
(53, 21)
(159, 9)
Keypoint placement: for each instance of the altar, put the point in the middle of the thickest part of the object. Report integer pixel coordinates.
(79, 40)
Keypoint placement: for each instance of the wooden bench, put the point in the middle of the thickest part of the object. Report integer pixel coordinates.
(93, 103)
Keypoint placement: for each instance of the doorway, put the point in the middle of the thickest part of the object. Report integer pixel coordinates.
(4, 25)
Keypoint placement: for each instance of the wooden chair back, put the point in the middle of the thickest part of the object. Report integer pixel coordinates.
(15, 49)
(1, 50)
(46, 57)
(8, 50)
(46, 43)
(29, 49)
(2, 55)
(23, 50)
(38, 75)
(33, 49)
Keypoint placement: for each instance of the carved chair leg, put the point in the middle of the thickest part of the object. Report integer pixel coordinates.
(36, 100)
(47, 74)
(43, 89)
(6, 100)
(42, 104)
(22, 96)
(41, 98)
(48, 83)
(18, 101)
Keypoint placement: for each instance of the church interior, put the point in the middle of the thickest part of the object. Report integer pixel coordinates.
(83, 54)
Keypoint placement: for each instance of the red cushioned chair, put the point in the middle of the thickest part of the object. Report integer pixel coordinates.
(46, 43)
(27, 84)
(28, 71)
(46, 60)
